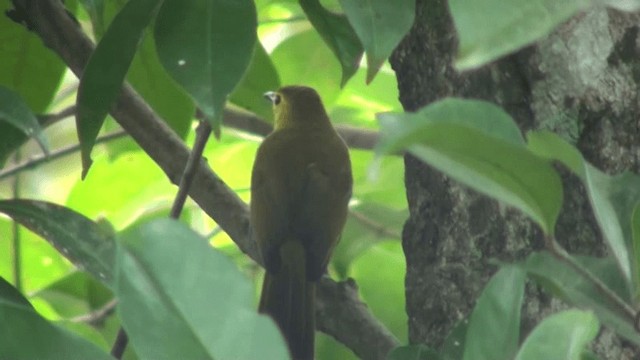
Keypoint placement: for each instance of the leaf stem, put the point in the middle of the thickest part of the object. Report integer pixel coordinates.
(559, 252)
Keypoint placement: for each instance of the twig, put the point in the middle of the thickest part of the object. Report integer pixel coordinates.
(48, 119)
(40, 159)
(379, 229)
(559, 252)
(17, 245)
(202, 135)
(96, 316)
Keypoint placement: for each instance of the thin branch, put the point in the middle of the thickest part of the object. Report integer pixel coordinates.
(16, 240)
(98, 315)
(377, 228)
(40, 159)
(202, 135)
(356, 138)
(59, 32)
(49, 119)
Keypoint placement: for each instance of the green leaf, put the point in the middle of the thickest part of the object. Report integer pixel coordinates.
(28, 67)
(562, 336)
(489, 29)
(612, 198)
(95, 9)
(103, 76)
(338, 34)
(197, 48)
(453, 346)
(26, 335)
(564, 282)
(413, 352)
(75, 294)
(380, 25)
(478, 144)
(261, 76)
(635, 234)
(16, 112)
(180, 298)
(85, 243)
(303, 59)
(494, 325)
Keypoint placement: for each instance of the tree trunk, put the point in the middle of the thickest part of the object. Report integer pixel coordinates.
(581, 82)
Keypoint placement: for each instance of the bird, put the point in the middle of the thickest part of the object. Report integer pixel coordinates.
(301, 184)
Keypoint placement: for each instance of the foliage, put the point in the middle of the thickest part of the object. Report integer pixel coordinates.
(177, 296)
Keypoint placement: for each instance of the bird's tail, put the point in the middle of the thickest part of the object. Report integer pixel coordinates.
(289, 298)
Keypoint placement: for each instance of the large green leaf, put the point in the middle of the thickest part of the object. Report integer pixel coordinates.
(380, 25)
(337, 34)
(206, 46)
(561, 336)
(14, 111)
(494, 325)
(182, 299)
(565, 282)
(488, 29)
(103, 76)
(85, 243)
(25, 335)
(479, 145)
(28, 67)
(612, 198)
(261, 76)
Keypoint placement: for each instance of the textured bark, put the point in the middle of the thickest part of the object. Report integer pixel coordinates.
(581, 82)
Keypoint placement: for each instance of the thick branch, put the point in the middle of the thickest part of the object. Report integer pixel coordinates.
(63, 35)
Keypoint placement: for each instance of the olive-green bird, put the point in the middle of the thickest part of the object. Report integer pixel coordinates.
(300, 189)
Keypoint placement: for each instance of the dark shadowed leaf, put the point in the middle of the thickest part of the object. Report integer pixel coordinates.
(198, 50)
(25, 335)
(85, 243)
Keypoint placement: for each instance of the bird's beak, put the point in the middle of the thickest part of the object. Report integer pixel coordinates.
(271, 96)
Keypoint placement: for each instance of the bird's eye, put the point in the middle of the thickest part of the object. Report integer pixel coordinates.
(277, 99)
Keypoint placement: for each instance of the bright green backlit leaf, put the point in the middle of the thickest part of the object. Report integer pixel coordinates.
(380, 25)
(182, 299)
(206, 46)
(560, 336)
(494, 325)
(106, 69)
